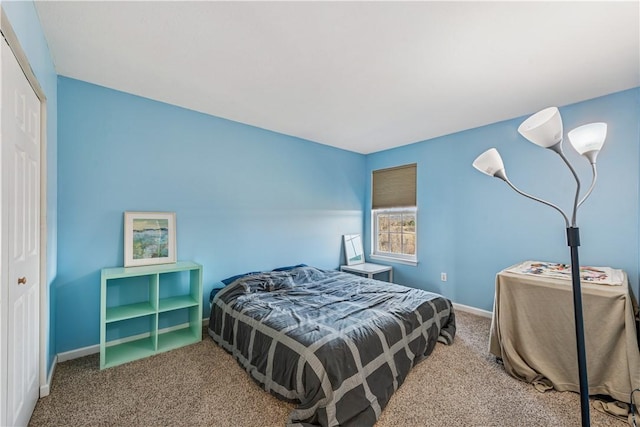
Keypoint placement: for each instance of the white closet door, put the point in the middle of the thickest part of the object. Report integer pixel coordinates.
(20, 161)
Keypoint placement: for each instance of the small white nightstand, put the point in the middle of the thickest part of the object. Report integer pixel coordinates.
(368, 269)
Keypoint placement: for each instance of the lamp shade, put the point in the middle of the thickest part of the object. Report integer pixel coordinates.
(588, 137)
(544, 128)
(489, 162)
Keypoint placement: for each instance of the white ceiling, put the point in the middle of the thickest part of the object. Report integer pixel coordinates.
(363, 76)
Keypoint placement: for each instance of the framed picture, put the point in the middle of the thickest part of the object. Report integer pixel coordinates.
(353, 252)
(149, 238)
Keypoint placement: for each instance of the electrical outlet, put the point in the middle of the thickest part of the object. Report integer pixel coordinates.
(443, 277)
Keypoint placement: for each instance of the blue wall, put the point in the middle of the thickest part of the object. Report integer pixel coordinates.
(252, 199)
(249, 199)
(245, 198)
(26, 24)
(472, 226)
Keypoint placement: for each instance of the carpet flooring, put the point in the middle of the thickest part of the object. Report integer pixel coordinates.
(202, 385)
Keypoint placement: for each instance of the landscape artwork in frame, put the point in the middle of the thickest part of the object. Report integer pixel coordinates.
(149, 238)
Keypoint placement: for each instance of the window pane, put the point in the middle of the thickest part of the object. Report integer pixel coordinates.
(383, 222)
(409, 223)
(383, 242)
(409, 244)
(395, 223)
(396, 243)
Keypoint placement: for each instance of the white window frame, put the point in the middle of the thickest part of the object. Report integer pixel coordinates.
(390, 256)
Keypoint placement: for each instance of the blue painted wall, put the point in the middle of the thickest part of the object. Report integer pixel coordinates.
(245, 198)
(472, 226)
(26, 24)
(252, 199)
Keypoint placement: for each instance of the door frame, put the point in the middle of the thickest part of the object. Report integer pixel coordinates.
(6, 31)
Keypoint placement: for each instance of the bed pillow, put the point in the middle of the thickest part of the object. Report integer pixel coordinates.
(232, 279)
(291, 267)
(216, 287)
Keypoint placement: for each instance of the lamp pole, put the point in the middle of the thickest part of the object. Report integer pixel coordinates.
(545, 130)
(573, 240)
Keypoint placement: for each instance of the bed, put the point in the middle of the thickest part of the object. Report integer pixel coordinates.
(337, 344)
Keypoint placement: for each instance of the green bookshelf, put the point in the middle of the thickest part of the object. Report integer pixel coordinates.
(133, 302)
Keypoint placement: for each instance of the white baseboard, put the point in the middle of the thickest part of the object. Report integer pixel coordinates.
(473, 310)
(46, 388)
(79, 352)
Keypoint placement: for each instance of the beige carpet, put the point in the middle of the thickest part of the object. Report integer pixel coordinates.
(198, 385)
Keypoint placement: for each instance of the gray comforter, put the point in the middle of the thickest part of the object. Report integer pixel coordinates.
(337, 344)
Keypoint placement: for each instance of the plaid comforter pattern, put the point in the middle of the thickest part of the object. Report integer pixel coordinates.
(337, 344)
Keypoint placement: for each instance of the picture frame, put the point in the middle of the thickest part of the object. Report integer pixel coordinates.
(149, 238)
(353, 251)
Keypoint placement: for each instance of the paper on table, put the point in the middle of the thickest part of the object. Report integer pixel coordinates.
(598, 275)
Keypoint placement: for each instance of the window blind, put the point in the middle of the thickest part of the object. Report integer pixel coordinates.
(394, 187)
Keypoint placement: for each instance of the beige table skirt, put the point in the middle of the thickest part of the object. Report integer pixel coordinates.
(532, 330)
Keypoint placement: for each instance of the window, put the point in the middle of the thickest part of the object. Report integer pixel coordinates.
(394, 214)
(395, 233)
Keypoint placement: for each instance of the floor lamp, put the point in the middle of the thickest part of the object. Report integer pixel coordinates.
(545, 129)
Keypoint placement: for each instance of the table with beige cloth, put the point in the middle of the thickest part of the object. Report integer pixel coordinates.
(532, 330)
